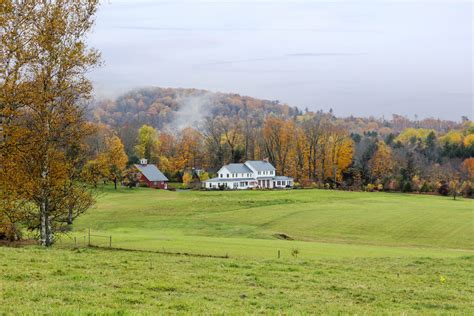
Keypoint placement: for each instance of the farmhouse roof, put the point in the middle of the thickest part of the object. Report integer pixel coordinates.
(260, 165)
(228, 179)
(151, 172)
(238, 168)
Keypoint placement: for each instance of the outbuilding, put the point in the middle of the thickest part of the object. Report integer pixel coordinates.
(150, 175)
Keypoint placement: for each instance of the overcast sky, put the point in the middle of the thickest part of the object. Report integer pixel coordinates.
(357, 57)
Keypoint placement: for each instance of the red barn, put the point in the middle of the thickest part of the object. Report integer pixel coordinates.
(151, 175)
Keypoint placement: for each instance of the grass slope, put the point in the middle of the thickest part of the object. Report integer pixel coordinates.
(360, 253)
(90, 281)
(243, 224)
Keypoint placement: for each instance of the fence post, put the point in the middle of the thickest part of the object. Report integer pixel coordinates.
(110, 242)
(89, 241)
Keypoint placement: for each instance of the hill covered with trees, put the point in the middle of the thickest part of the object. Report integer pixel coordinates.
(182, 129)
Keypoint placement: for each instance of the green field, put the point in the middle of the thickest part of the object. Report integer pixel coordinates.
(244, 224)
(357, 253)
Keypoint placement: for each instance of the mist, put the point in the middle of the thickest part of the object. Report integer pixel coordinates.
(366, 58)
(192, 111)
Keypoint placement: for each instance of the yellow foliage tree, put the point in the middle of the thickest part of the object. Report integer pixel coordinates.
(114, 160)
(381, 163)
(469, 141)
(278, 136)
(148, 144)
(452, 138)
(187, 178)
(44, 62)
(338, 150)
(411, 135)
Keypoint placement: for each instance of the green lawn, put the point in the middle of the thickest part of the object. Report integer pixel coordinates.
(88, 281)
(359, 253)
(244, 224)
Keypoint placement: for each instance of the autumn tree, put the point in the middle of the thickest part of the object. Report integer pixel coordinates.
(148, 144)
(312, 126)
(232, 137)
(43, 90)
(278, 136)
(93, 172)
(468, 168)
(190, 154)
(187, 178)
(381, 163)
(114, 160)
(340, 152)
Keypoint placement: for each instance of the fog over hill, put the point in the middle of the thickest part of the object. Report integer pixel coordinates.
(173, 109)
(177, 108)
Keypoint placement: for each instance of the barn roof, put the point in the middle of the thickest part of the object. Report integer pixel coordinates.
(151, 172)
(260, 165)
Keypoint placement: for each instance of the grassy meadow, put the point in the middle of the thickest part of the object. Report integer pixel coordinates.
(244, 223)
(357, 253)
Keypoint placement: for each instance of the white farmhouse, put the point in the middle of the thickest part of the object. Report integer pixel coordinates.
(248, 175)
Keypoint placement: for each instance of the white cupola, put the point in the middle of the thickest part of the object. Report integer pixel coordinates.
(143, 161)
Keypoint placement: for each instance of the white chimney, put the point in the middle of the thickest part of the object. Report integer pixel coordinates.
(143, 161)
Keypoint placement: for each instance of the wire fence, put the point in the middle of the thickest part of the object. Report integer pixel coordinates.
(87, 240)
(90, 239)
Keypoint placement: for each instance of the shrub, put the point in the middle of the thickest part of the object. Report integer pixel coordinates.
(187, 178)
(425, 187)
(443, 188)
(467, 189)
(416, 183)
(392, 185)
(407, 187)
(370, 187)
(380, 187)
(8, 231)
(306, 183)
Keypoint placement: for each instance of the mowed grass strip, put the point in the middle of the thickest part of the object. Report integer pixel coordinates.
(91, 281)
(198, 221)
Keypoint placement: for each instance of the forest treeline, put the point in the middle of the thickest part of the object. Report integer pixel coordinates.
(317, 149)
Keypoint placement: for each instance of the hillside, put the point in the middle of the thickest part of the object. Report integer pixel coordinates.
(176, 107)
(246, 223)
(357, 253)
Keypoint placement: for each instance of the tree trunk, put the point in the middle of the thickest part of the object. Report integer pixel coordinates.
(69, 216)
(115, 183)
(46, 233)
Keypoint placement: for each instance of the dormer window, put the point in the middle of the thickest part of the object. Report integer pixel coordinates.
(143, 161)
